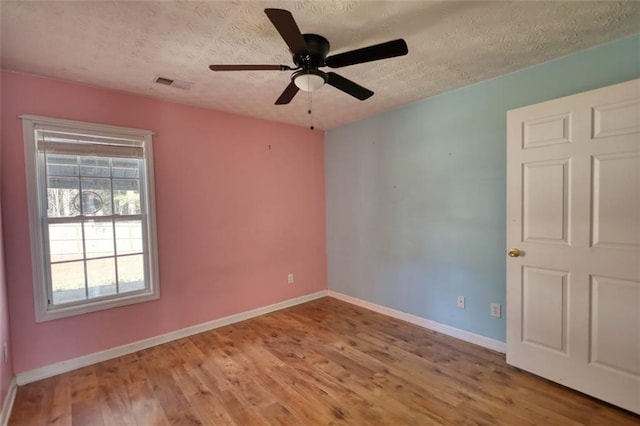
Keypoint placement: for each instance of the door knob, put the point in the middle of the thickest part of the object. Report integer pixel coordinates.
(514, 252)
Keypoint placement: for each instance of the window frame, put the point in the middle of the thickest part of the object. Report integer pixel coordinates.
(40, 260)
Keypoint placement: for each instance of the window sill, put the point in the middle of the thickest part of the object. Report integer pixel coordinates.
(98, 305)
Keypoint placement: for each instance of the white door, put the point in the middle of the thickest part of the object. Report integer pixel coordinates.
(573, 212)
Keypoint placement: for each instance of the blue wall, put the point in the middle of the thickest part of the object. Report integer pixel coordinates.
(416, 196)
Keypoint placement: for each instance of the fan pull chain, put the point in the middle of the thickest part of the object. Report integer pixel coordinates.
(310, 100)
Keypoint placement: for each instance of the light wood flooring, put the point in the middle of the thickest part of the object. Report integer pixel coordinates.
(321, 363)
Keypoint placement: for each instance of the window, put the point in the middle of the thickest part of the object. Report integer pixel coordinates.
(91, 207)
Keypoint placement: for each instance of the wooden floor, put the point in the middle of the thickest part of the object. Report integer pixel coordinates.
(324, 362)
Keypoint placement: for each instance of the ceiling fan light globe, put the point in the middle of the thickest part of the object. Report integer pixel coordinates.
(309, 82)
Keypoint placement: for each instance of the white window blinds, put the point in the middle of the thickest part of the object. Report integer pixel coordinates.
(58, 140)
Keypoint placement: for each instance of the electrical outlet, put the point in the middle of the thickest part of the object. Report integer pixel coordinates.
(460, 302)
(5, 352)
(290, 279)
(496, 310)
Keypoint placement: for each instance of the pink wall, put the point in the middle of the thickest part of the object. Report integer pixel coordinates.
(6, 369)
(234, 216)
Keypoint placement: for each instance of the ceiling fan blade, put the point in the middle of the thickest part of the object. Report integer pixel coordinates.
(249, 67)
(348, 86)
(288, 94)
(288, 29)
(376, 52)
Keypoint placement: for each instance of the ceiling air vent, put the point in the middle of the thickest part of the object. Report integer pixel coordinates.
(165, 81)
(178, 84)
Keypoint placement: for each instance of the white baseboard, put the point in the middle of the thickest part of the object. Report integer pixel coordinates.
(7, 404)
(94, 358)
(467, 336)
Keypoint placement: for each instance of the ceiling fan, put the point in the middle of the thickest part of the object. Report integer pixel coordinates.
(310, 53)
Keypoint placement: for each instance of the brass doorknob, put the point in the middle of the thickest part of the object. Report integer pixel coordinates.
(514, 252)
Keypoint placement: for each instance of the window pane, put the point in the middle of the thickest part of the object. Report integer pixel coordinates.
(101, 276)
(125, 168)
(61, 194)
(131, 273)
(67, 282)
(126, 196)
(129, 236)
(98, 238)
(96, 197)
(94, 167)
(62, 165)
(65, 241)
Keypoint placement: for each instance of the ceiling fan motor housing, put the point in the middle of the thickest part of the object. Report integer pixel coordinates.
(318, 48)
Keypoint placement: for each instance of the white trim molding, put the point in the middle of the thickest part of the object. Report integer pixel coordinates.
(106, 141)
(94, 358)
(85, 125)
(7, 404)
(485, 342)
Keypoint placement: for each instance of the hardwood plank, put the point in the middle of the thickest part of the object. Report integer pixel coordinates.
(145, 406)
(59, 412)
(324, 362)
(115, 401)
(83, 412)
(202, 399)
(30, 403)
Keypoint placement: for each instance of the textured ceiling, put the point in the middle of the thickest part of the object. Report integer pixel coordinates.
(124, 45)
